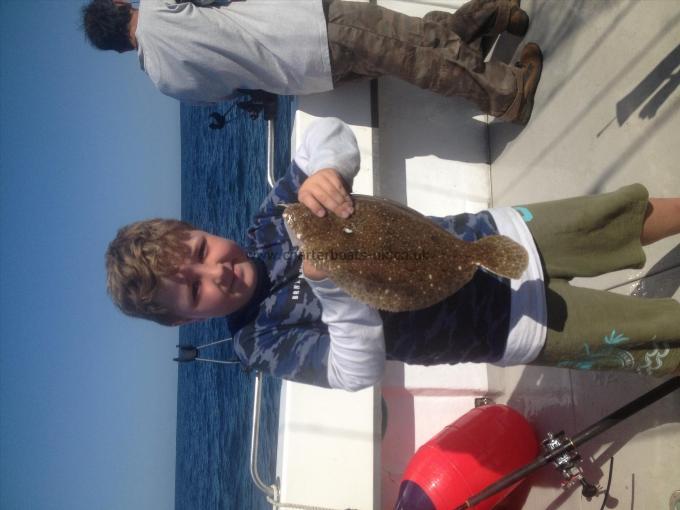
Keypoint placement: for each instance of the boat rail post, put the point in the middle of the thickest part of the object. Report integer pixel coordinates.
(270, 153)
(270, 490)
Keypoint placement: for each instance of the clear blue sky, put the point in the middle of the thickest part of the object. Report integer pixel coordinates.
(87, 396)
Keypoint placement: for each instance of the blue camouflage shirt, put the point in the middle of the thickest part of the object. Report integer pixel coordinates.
(280, 330)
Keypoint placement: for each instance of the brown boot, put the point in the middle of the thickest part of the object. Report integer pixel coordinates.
(531, 63)
(518, 24)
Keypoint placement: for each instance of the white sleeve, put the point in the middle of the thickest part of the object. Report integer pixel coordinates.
(329, 143)
(356, 358)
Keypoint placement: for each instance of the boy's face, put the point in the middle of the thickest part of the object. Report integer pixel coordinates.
(217, 279)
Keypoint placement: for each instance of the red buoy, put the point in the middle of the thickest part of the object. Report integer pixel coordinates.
(476, 450)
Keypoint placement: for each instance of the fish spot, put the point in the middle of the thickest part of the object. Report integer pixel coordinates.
(429, 276)
(347, 230)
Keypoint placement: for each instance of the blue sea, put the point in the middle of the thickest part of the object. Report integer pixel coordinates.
(223, 182)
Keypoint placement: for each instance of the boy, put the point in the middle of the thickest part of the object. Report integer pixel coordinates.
(205, 53)
(302, 327)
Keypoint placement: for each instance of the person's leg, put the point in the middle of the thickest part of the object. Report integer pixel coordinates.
(369, 41)
(594, 329)
(599, 330)
(662, 220)
(589, 236)
(593, 235)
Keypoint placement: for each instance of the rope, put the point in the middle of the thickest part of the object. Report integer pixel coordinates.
(609, 483)
(219, 361)
(199, 347)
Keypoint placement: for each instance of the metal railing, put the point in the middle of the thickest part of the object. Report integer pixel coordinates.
(272, 491)
(270, 153)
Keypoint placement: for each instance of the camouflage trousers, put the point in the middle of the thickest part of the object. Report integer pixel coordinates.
(594, 329)
(440, 52)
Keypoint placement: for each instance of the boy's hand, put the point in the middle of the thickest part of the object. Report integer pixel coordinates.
(311, 272)
(326, 190)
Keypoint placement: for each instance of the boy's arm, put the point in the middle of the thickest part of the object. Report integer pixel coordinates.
(310, 352)
(356, 355)
(329, 143)
(326, 190)
(329, 155)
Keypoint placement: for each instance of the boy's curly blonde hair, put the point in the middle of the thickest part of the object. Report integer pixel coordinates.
(137, 258)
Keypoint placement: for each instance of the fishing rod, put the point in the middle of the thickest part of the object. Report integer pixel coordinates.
(561, 450)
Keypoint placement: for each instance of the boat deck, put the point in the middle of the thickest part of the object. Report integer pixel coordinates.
(607, 114)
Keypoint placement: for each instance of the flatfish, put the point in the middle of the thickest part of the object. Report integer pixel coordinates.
(392, 257)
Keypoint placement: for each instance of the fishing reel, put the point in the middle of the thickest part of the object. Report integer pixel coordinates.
(568, 462)
(260, 102)
(254, 103)
(561, 450)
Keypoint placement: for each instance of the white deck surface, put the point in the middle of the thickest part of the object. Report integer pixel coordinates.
(607, 114)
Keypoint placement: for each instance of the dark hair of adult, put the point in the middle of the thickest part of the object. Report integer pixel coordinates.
(106, 25)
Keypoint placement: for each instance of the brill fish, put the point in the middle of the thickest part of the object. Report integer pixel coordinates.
(392, 257)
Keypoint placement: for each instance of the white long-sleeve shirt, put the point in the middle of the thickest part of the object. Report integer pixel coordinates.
(356, 357)
(203, 54)
(357, 344)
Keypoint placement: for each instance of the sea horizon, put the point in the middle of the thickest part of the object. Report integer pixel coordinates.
(223, 183)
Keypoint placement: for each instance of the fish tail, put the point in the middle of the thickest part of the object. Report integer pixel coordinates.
(501, 255)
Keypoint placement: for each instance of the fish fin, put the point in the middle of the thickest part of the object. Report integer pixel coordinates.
(501, 255)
